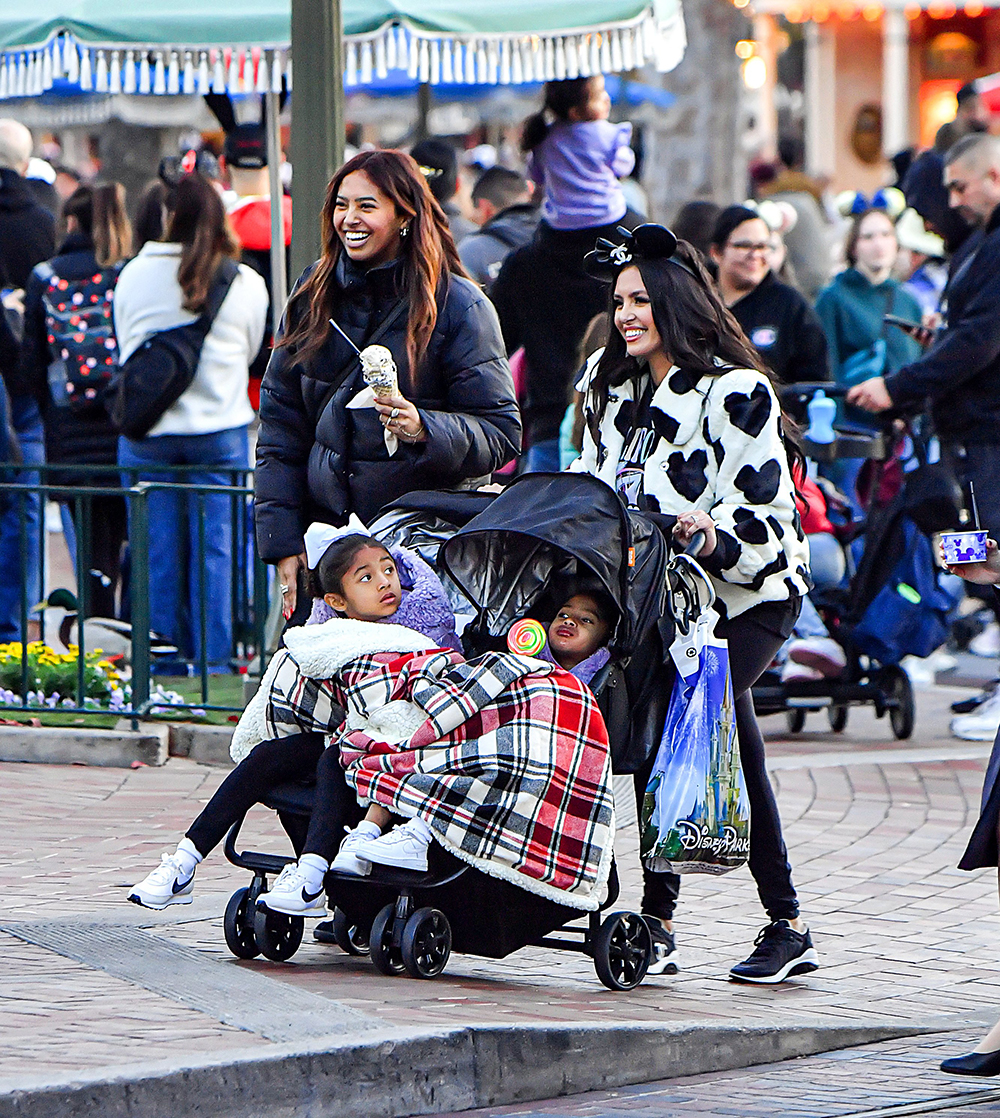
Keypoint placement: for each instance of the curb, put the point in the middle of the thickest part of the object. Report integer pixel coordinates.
(396, 1074)
(64, 745)
(208, 745)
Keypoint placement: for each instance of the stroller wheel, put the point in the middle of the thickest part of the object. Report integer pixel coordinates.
(622, 948)
(278, 936)
(349, 937)
(386, 958)
(898, 691)
(237, 925)
(426, 943)
(796, 718)
(838, 718)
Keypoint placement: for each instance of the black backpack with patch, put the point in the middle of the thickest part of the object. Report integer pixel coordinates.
(80, 333)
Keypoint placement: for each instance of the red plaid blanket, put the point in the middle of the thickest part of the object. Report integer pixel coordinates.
(510, 766)
(506, 761)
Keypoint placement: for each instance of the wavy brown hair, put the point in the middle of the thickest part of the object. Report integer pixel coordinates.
(99, 211)
(428, 252)
(196, 219)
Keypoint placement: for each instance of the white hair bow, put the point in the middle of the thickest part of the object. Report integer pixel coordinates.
(319, 536)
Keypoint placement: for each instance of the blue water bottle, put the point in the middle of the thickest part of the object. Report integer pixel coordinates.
(821, 411)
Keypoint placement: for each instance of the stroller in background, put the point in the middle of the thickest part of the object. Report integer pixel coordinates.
(498, 559)
(892, 605)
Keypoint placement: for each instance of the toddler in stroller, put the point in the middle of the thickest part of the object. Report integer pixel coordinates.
(575, 642)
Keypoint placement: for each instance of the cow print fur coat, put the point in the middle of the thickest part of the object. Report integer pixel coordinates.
(719, 450)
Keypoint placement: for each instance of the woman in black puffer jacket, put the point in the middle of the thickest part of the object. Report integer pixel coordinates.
(388, 259)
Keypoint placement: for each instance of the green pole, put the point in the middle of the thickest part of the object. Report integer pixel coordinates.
(317, 118)
(139, 547)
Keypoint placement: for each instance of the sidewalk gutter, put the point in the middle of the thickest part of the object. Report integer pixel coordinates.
(397, 1073)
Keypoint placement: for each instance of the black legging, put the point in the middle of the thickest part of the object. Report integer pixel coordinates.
(279, 761)
(752, 646)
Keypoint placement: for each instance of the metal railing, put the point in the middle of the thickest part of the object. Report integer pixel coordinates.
(213, 592)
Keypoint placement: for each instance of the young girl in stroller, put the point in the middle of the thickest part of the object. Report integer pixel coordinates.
(352, 573)
(575, 642)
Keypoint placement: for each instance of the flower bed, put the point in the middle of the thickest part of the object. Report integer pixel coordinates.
(53, 678)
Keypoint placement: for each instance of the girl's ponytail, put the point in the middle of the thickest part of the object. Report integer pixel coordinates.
(561, 98)
(536, 128)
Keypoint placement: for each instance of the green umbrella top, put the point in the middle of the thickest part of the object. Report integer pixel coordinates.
(239, 46)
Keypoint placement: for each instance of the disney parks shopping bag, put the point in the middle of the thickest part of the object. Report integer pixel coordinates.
(695, 813)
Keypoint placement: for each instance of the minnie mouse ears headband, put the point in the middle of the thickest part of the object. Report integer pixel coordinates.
(645, 242)
(780, 217)
(890, 200)
(318, 538)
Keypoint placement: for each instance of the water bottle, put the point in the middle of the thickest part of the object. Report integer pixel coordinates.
(821, 411)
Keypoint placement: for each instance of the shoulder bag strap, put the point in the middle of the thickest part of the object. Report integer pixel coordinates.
(348, 367)
(228, 271)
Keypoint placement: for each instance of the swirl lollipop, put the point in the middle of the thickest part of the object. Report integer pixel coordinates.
(527, 637)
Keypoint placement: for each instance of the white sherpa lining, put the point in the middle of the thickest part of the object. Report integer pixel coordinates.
(320, 651)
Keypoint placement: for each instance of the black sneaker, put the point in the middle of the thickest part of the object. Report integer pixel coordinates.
(967, 706)
(780, 952)
(664, 959)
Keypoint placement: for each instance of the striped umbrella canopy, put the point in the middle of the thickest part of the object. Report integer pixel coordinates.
(194, 47)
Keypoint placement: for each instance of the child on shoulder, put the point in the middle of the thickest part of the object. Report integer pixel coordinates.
(576, 155)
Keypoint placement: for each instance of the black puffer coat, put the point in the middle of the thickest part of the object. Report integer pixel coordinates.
(313, 466)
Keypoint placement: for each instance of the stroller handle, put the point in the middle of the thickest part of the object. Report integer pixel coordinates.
(696, 544)
(805, 390)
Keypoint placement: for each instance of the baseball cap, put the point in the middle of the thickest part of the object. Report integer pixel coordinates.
(246, 146)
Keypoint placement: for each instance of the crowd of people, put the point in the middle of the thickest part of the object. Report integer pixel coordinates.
(536, 319)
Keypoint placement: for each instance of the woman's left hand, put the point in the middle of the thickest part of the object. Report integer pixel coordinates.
(400, 417)
(688, 523)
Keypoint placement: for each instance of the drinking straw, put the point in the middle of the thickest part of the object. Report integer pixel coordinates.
(975, 510)
(345, 337)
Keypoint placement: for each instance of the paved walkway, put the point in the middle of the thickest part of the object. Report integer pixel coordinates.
(875, 829)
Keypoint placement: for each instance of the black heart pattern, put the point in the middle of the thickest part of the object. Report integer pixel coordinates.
(760, 487)
(687, 475)
(749, 413)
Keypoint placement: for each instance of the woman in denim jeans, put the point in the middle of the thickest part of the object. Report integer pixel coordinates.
(167, 285)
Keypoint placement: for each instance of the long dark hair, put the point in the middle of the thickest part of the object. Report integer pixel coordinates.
(561, 97)
(196, 219)
(696, 329)
(428, 253)
(99, 211)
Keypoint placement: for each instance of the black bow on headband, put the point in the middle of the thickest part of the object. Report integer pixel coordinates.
(645, 242)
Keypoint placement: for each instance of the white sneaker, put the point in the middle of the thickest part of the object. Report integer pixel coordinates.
(404, 847)
(987, 643)
(294, 894)
(799, 673)
(347, 860)
(169, 883)
(821, 653)
(982, 724)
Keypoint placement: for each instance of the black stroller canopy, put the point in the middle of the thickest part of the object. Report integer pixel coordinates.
(542, 526)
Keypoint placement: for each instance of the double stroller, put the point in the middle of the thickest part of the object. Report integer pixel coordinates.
(889, 564)
(498, 559)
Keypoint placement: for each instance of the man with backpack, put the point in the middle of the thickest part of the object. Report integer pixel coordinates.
(509, 218)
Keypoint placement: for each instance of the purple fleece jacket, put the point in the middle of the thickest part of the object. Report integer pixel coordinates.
(424, 607)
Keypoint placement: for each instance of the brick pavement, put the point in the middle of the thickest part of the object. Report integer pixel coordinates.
(904, 937)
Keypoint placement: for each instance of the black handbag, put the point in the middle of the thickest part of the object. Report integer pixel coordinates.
(932, 495)
(161, 370)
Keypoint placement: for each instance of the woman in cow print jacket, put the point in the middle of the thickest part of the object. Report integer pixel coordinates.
(682, 421)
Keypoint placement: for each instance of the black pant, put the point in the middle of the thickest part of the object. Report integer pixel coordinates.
(269, 764)
(979, 463)
(754, 637)
(102, 551)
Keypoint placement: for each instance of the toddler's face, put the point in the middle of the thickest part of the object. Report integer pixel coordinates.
(371, 589)
(577, 631)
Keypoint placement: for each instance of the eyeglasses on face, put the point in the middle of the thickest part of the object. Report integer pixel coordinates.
(748, 247)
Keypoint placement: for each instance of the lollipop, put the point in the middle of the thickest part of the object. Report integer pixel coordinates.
(526, 637)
